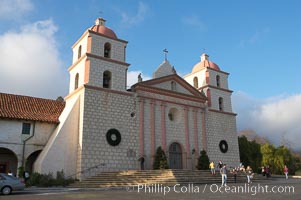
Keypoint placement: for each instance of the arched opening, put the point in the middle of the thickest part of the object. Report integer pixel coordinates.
(173, 86)
(220, 104)
(76, 81)
(175, 156)
(107, 77)
(8, 161)
(79, 52)
(218, 84)
(107, 50)
(196, 82)
(31, 159)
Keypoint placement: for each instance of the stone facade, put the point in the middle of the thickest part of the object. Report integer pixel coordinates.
(105, 127)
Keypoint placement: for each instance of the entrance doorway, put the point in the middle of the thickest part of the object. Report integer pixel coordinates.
(175, 156)
(2, 168)
(8, 161)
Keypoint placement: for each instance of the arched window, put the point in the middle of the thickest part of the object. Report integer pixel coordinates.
(218, 81)
(76, 81)
(173, 86)
(221, 104)
(79, 53)
(107, 76)
(196, 82)
(107, 50)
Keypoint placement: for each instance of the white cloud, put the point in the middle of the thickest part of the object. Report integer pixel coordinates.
(129, 20)
(276, 118)
(258, 35)
(194, 21)
(30, 62)
(13, 9)
(132, 77)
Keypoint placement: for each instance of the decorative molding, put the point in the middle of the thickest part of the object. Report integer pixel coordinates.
(223, 112)
(76, 62)
(177, 79)
(215, 87)
(107, 59)
(107, 90)
(99, 34)
(169, 93)
(172, 102)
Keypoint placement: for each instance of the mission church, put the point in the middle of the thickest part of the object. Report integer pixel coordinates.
(104, 126)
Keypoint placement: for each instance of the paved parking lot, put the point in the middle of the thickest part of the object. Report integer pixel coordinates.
(278, 189)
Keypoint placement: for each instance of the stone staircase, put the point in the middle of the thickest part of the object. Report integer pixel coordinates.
(165, 177)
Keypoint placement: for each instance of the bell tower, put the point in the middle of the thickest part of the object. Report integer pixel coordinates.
(206, 76)
(99, 59)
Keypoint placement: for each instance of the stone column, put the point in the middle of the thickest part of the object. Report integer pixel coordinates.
(204, 133)
(20, 164)
(196, 136)
(163, 125)
(141, 127)
(152, 131)
(187, 141)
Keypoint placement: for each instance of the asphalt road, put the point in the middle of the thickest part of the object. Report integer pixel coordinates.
(277, 189)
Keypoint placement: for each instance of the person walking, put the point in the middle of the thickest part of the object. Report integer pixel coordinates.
(263, 170)
(224, 172)
(267, 171)
(212, 168)
(249, 173)
(220, 164)
(285, 171)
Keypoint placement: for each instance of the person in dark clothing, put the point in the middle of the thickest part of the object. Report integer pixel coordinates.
(220, 164)
(267, 171)
(141, 159)
(25, 176)
(234, 172)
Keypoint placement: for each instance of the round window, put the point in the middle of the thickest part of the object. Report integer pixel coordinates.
(113, 137)
(223, 146)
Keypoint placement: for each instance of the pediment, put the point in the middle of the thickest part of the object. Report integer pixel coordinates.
(171, 84)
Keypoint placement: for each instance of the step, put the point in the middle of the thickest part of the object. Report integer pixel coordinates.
(164, 177)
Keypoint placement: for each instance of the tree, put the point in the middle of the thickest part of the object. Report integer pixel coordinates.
(283, 157)
(160, 160)
(250, 153)
(276, 158)
(60, 98)
(244, 150)
(203, 161)
(268, 151)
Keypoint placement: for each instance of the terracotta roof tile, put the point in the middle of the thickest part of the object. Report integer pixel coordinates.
(30, 108)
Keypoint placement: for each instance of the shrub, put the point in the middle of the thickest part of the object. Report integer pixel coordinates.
(160, 160)
(203, 161)
(20, 172)
(34, 179)
(47, 180)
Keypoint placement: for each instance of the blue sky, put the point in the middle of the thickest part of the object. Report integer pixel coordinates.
(257, 42)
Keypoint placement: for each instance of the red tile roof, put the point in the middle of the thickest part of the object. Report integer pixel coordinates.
(30, 108)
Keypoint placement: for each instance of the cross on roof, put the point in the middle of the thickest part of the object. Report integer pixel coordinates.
(165, 53)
